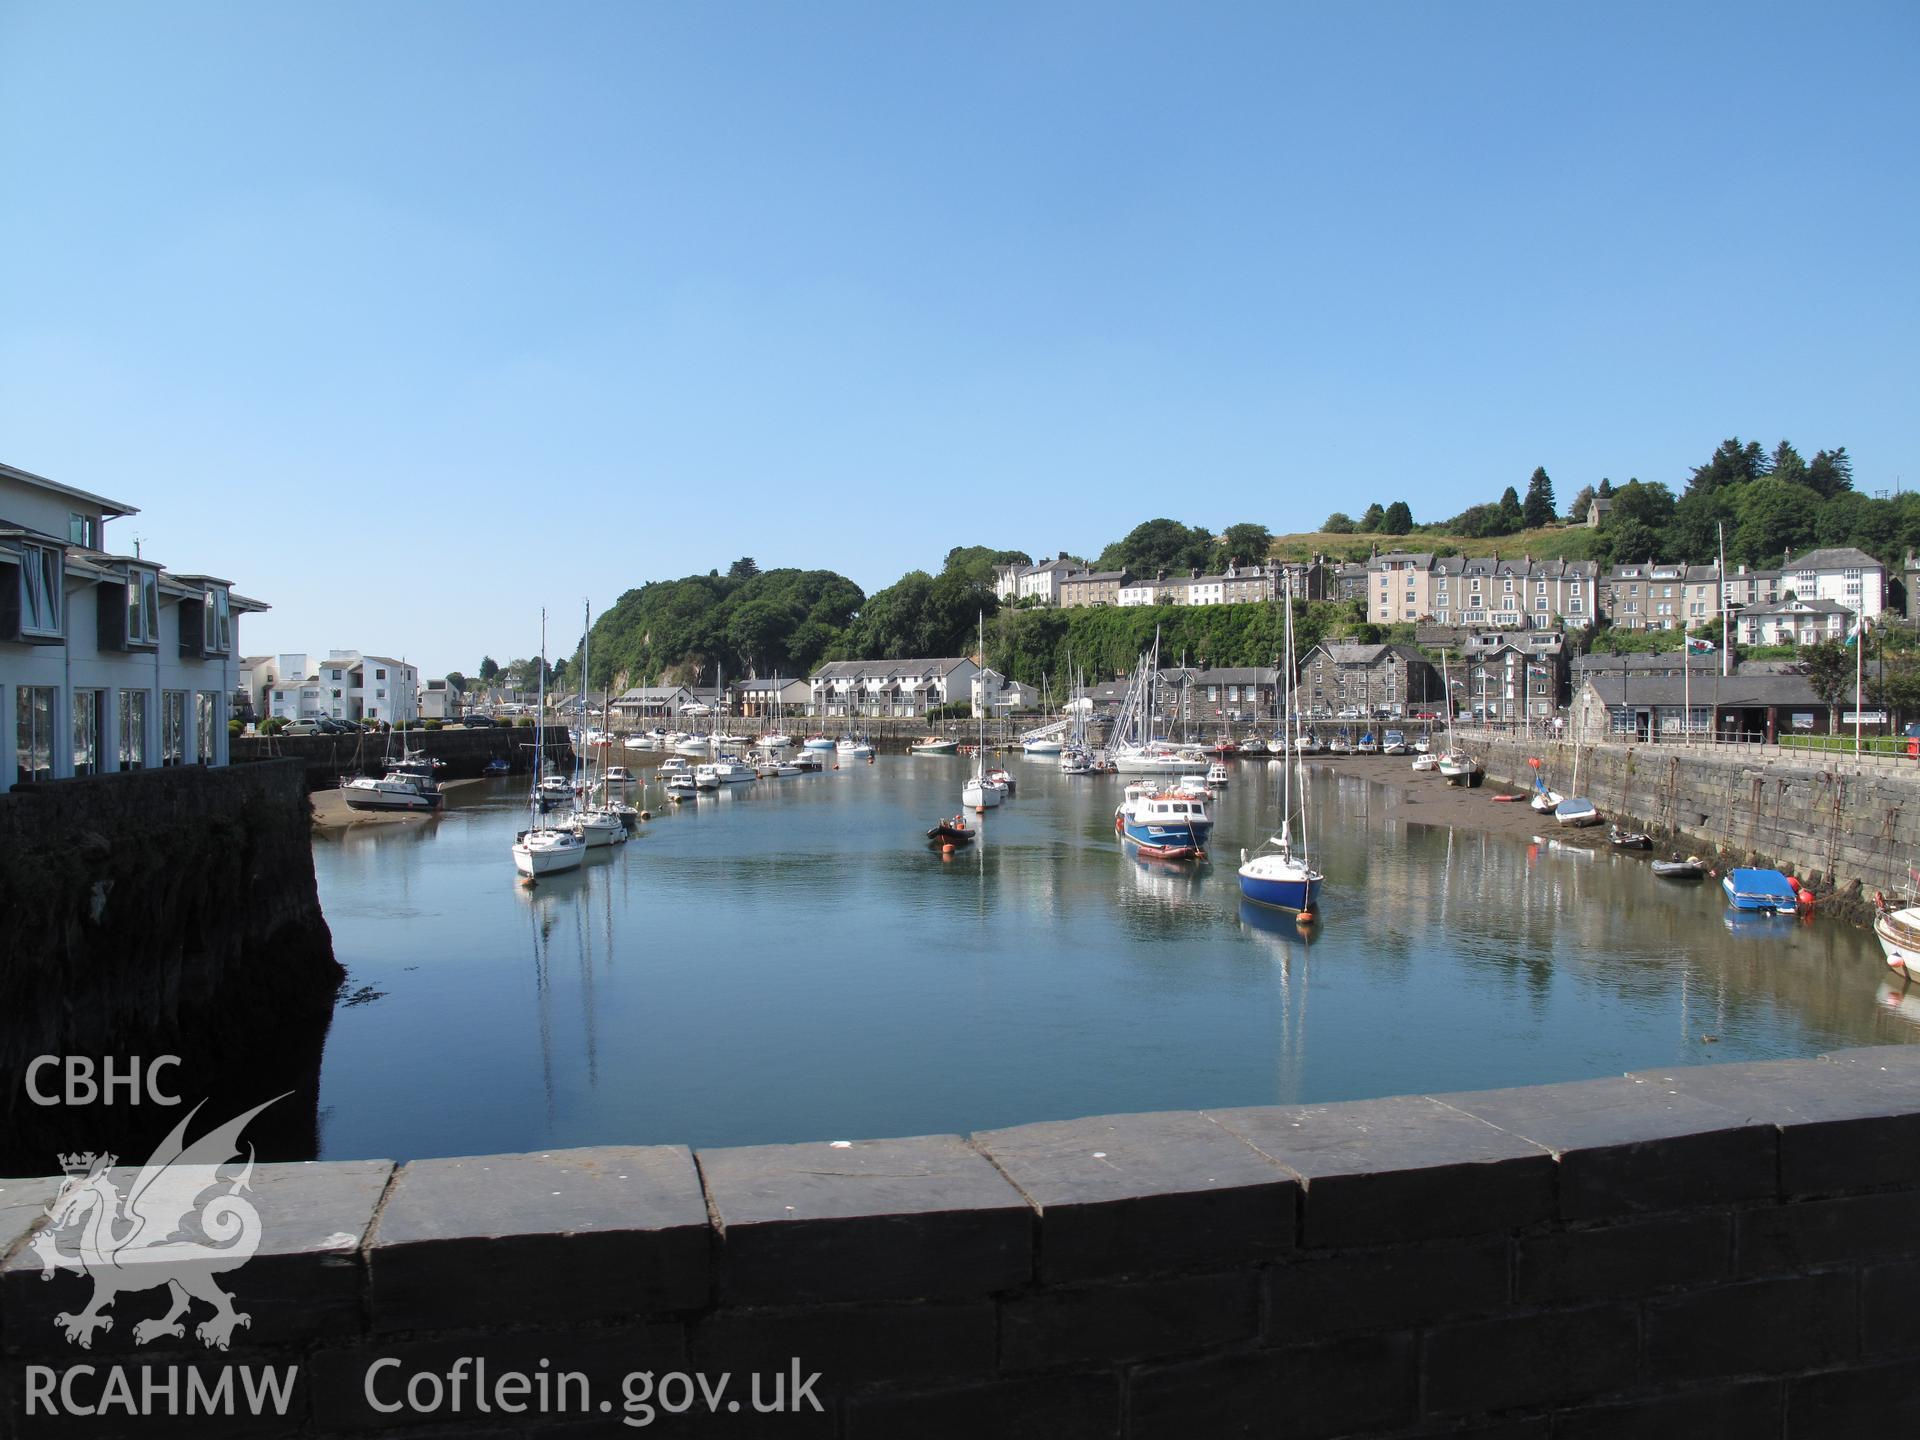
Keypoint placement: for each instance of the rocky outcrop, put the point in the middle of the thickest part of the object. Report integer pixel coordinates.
(163, 912)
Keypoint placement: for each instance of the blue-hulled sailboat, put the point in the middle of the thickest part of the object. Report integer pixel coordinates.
(1274, 874)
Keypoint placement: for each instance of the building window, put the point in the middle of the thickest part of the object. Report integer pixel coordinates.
(380, 675)
(33, 731)
(83, 530)
(87, 708)
(173, 727)
(208, 706)
(133, 729)
(218, 637)
(143, 608)
(40, 590)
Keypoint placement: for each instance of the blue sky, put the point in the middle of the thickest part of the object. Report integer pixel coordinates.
(414, 318)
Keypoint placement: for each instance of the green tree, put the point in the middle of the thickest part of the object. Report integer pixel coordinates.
(456, 680)
(1398, 520)
(743, 569)
(1338, 523)
(1785, 464)
(1828, 667)
(1650, 504)
(1830, 472)
(1606, 488)
(1775, 516)
(1373, 519)
(1624, 539)
(1511, 515)
(978, 562)
(1246, 543)
(1582, 504)
(1732, 464)
(1156, 545)
(1539, 508)
(489, 667)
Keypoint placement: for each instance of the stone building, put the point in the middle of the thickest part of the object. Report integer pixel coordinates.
(1385, 680)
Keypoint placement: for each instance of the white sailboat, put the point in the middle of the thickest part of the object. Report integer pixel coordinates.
(541, 849)
(980, 793)
(596, 823)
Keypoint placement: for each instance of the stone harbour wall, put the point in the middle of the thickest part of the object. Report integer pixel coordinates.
(1808, 814)
(162, 912)
(329, 759)
(1726, 1250)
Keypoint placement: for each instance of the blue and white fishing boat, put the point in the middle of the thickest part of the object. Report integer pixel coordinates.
(1274, 874)
(1760, 890)
(1164, 824)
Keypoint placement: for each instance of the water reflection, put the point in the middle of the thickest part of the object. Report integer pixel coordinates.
(790, 959)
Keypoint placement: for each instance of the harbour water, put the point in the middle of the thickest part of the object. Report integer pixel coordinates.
(790, 960)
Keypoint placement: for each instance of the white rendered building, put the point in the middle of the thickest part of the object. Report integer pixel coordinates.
(108, 662)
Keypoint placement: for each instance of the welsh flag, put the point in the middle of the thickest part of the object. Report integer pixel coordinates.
(1697, 646)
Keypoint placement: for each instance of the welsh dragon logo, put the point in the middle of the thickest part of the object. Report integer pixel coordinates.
(158, 1233)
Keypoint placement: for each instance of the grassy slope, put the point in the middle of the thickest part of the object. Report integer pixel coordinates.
(1568, 542)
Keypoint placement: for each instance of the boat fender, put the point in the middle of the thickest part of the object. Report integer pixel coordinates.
(1305, 917)
(947, 849)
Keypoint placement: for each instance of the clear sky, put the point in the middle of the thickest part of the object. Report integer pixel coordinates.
(412, 318)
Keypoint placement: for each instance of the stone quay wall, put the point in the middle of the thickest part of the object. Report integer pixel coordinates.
(1724, 1250)
(162, 912)
(329, 759)
(1810, 814)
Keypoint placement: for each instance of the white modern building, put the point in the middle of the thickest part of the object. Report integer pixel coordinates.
(889, 687)
(107, 662)
(346, 685)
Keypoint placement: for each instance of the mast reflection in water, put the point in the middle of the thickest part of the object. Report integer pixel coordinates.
(789, 960)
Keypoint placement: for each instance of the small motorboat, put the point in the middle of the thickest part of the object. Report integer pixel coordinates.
(934, 745)
(1002, 779)
(1217, 774)
(1426, 760)
(496, 766)
(1766, 890)
(1252, 747)
(1395, 743)
(1576, 810)
(620, 775)
(1367, 744)
(681, 787)
(954, 831)
(1676, 868)
(1629, 839)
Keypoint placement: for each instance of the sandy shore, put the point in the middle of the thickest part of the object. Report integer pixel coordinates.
(330, 810)
(1430, 800)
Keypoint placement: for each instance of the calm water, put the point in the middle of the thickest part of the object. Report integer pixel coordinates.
(790, 961)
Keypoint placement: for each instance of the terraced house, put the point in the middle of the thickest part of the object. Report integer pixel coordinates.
(1384, 680)
(1523, 594)
(889, 687)
(107, 662)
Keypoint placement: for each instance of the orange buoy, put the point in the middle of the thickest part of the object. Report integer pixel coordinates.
(947, 849)
(1305, 917)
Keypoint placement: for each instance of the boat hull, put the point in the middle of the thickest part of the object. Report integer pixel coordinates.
(540, 859)
(1900, 940)
(977, 796)
(400, 798)
(1150, 836)
(1281, 893)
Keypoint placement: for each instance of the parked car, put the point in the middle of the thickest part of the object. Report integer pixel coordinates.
(1350, 713)
(475, 722)
(302, 727)
(329, 726)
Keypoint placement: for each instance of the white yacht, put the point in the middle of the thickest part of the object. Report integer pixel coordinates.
(396, 792)
(541, 849)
